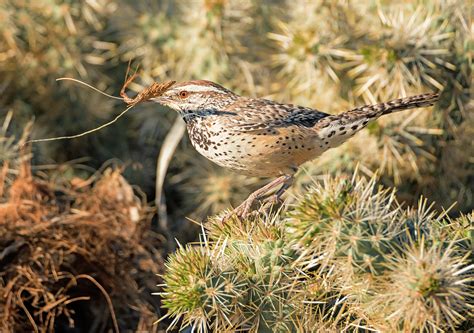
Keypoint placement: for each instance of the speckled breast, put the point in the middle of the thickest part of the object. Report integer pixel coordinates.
(265, 154)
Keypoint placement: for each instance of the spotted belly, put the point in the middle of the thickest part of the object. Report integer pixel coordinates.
(266, 151)
(258, 155)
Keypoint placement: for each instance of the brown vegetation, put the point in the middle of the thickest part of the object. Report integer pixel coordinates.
(154, 90)
(79, 254)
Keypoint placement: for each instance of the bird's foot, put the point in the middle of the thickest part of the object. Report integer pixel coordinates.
(270, 201)
(242, 211)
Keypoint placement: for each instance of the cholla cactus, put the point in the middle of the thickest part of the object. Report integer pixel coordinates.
(346, 255)
(349, 220)
(210, 36)
(429, 288)
(308, 52)
(249, 277)
(197, 42)
(404, 50)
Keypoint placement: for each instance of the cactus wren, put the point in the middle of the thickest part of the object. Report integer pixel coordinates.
(263, 138)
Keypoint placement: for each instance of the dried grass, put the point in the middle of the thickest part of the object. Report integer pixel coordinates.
(76, 255)
(156, 89)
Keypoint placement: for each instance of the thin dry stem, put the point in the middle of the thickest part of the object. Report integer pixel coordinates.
(83, 133)
(154, 90)
(106, 295)
(88, 86)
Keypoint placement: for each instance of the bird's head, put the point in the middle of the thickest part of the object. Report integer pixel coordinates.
(194, 97)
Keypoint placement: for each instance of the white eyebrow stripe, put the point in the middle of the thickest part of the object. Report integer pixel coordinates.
(198, 88)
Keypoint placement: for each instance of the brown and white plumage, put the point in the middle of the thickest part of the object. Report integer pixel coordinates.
(264, 138)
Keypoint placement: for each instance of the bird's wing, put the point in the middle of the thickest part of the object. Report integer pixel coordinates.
(260, 115)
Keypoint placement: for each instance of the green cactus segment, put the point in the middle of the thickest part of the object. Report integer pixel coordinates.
(351, 219)
(199, 291)
(187, 267)
(344, 256)
(435, 281)
(257, 283)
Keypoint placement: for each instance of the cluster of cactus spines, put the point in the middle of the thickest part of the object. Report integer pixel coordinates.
(32, 58)
(211, 36)
(249, 280)
(350, 219)
(456, 118)
(307, 52)
(346, 255)
(404, 41)
(429, 288)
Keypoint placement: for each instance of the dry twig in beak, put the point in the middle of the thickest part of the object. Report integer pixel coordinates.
(154, 90)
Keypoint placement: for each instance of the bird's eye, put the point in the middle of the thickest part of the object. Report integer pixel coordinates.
(183, 94)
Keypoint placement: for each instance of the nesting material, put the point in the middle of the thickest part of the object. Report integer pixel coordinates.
(156, 89)
(76, 254)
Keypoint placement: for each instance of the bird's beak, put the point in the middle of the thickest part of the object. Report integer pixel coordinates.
(160, 100)
(165, 101)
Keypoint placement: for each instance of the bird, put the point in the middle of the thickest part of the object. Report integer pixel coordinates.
(264, 138)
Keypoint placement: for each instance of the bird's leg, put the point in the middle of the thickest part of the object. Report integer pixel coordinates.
(277, 196)
(244, 209)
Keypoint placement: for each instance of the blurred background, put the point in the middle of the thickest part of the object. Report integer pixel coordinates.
(329, 55)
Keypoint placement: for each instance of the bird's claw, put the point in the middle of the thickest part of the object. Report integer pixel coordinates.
(272, 200)
(269, 202)
(242, 211)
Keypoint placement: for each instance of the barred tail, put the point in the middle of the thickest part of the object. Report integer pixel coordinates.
(335, 129)
(376, 110)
